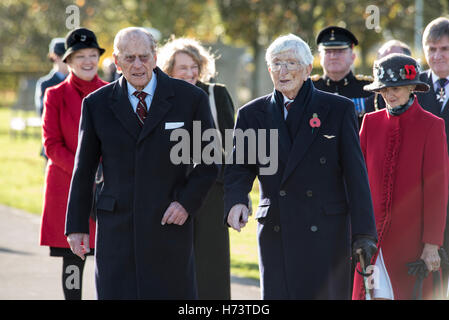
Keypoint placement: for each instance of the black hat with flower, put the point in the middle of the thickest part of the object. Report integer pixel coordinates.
(396, 70)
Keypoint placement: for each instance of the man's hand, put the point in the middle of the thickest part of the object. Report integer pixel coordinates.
(238, 216)
(79, 243)
(367, 247)
(175, 214)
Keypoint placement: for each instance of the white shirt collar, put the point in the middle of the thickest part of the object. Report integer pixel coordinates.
(286, 99)
(435, 78)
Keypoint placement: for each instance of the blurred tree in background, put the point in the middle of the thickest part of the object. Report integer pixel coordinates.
(28, 25)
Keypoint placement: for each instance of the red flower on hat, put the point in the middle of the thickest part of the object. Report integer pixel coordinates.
(410, 72)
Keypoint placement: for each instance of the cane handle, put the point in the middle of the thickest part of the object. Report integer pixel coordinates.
(362, 260)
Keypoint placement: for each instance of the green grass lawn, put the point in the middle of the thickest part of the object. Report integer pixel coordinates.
(22, 180)
(244, 261)
(21, 169)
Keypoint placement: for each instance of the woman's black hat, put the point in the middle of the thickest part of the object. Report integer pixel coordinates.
(80, 38)
(396, 70)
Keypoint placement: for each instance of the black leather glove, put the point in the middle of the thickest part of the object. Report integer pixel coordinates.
(368, 248)
(444, 258)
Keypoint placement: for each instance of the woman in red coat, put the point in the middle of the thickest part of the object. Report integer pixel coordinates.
(406, 156)
(61, 119)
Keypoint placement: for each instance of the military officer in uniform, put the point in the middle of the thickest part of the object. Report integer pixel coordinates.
(336, 45)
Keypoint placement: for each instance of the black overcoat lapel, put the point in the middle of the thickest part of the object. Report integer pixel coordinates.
(275, 120)
(429, 100)
(305, 134)
(160, 105)
(122, 108)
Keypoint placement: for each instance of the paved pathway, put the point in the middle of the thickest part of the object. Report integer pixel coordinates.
(27, 272)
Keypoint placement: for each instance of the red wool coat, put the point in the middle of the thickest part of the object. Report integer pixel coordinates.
(61, 119)
(407, 162)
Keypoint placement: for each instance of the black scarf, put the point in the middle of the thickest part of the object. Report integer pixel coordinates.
(302, 98)
(396, 111)
(299, 106)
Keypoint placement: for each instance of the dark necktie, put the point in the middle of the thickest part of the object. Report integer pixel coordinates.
(441, 92)
(141, 109)
(289, 119)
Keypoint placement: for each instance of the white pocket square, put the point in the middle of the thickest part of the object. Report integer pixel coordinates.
(173, 125)
(328, 136)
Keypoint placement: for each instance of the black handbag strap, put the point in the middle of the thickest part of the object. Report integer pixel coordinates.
(436, 285)
(417, 288)
(422, 272)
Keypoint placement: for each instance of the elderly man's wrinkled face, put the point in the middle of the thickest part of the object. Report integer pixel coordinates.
(136, 61)
(337, 61)
(437, 56)
(287, 73)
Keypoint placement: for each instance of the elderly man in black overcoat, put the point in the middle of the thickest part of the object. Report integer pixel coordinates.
(317, 203)
(144, 244)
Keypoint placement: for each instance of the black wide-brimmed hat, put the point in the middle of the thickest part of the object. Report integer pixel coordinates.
(80, 38)
(396, 70)
(334, 37)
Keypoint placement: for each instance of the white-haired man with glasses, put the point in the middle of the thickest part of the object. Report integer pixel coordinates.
(318, 202)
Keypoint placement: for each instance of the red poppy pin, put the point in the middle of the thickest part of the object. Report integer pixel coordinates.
(410, 72)
(315, 122)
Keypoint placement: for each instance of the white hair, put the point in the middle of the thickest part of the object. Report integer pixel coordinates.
(293, 43)
(133, 33)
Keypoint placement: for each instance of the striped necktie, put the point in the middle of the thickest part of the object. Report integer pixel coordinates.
(141, 109)
(288, 105)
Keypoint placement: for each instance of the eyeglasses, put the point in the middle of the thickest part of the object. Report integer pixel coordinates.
(290, 65)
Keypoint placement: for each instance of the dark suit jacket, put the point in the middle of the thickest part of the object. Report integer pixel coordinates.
(309, 208)
(225, 106)
(429, 102)
(211, 237)
(225, 114)
(374, 102)
(137, 257)
(42, 84)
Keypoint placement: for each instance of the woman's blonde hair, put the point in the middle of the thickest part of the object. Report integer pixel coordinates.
(203, 57)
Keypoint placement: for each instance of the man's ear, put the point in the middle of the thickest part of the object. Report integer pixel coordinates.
(116, 62)
(353, 56)
(308, 71)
